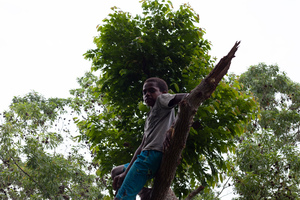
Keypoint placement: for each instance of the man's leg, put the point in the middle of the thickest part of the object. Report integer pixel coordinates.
(144, 168)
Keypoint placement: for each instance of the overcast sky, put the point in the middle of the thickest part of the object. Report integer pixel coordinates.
(42, 41)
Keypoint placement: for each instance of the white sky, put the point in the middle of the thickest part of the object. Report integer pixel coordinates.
(42, 41)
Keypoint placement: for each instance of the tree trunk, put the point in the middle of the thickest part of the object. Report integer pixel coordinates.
(188, 108)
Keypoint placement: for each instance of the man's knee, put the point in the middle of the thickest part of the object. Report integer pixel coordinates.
(116, 171)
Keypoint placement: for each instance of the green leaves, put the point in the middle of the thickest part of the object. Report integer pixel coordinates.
(269, 149)
(32, 164)
(163, 43)
(264, 170)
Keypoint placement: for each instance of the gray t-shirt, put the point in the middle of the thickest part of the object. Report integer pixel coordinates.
(158, 122)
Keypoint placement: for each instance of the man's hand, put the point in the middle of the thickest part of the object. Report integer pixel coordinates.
(118, 180)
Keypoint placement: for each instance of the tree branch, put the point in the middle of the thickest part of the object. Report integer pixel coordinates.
(195, 192)
(188, 108)
(23, 170)
(224, 187)
(41, 187)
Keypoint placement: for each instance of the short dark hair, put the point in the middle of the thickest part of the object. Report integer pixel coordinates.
(162, 85)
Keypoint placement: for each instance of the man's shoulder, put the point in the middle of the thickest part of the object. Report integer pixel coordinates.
(166, 96)
(164, 99)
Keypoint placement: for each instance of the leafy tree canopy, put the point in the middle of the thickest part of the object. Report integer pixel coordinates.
(268, 157)
(31, 166)
(164, 43)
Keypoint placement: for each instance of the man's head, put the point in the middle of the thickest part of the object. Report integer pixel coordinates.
(153, 87)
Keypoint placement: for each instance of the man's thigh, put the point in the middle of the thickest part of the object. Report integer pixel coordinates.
(144, 168)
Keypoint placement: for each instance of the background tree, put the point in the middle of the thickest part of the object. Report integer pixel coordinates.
(167, 44)
(268, 163)
(32, 166)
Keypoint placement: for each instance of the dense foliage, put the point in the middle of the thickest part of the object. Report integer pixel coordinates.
(260, 111)
(165, 43)
(267, 160)
(38, 159)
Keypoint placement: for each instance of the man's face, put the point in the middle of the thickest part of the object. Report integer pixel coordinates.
(150, 93)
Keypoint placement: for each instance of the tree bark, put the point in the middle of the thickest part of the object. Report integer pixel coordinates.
(195, 192)
(188, 108)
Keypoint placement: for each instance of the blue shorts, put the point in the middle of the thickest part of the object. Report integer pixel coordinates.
(144, 168)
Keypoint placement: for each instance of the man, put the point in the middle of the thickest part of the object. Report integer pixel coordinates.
(130, 178)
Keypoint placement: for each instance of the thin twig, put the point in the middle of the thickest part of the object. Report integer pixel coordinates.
(23, 170)
(224, 186)
(30, 177)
